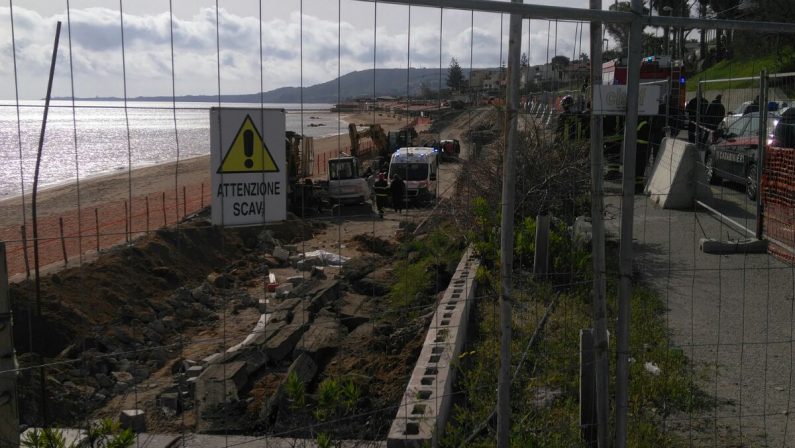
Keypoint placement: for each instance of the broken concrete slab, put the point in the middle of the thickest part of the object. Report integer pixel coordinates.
(323, 336)
(134, 419)
(355, 310)
(281, 254)
(281, 344)
(304, 369)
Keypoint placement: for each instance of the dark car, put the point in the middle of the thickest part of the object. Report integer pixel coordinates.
(450, 149)
(733, 153)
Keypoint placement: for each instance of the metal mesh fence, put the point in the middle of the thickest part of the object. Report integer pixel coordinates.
(376, 321)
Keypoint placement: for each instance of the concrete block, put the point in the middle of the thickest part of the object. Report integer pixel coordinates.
(194, 371)
(134, 419)
(281, 254)
(677, 177)
(171, 401)
(425, 407)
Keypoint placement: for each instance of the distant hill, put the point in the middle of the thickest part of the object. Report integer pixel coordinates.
(388, 82)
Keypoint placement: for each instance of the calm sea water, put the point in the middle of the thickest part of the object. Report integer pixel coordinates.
(91, 139)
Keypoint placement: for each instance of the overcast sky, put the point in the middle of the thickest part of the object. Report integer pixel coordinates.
(96, 42)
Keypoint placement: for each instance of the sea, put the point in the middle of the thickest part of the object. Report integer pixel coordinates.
(91, 138)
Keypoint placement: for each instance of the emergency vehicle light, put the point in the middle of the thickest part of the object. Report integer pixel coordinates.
(681, 80)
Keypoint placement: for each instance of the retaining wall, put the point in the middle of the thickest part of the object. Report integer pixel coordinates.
(425, 407)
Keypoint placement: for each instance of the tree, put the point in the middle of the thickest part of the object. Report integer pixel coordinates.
(455, 75)
(559, 62)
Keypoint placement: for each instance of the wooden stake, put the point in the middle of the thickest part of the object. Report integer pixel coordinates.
(165, 223)
(25, 250)
(63, 242)
(126, 223)
(147, 214)
(96, 226)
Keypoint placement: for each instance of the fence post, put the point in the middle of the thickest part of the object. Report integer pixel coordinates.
(184, 203)
(25, 250)
(9, 416)
(63, 242)
(96, 226)
(165, 222)
(147, 213)
(541, 261)
(126, 223)
(201, 197)
(760, 152)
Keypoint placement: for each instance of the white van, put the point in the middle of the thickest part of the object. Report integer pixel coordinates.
(419, 169)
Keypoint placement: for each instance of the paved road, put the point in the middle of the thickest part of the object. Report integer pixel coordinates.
(730, 311)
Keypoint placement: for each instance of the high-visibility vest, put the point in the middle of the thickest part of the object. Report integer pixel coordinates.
(643, 124)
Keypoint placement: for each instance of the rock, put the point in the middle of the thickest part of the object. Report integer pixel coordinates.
(134, 419)
(295, 280)
(103, 380)
(304, 369)
(171, 401)
(183, 295)
(290, 248)
(157, 326)
(222, 281)
(281, 344)
(272, 262)
(167, 274)
(318, 272)
(119, 388)
(281, 254)
(140, 373)
(323, 336)
(284, 289)
(152, 335)
(122, 377)
(357, 268)
(355, 310)
(194, 371)
(171, 323)
(71, 351)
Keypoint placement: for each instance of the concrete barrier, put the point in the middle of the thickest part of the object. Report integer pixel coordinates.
(425, 406)
(677, 177)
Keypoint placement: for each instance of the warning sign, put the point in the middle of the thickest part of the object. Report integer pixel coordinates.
(248, 153)
(247, 160)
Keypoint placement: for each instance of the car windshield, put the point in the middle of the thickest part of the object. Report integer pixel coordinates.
(748, 126)
(410, 171)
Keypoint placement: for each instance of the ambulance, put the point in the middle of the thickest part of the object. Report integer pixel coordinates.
(419, 169)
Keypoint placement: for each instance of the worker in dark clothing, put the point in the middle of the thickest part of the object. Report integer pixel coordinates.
(569, 126)
(753, 107)
(381, 187)
(713, 116)
(398, 190)
(695, 109)
(642, 152)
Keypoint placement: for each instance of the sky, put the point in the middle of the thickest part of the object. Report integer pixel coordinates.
(303, 42)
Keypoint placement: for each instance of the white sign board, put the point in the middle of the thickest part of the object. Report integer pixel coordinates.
(248, 166)
(612, 100)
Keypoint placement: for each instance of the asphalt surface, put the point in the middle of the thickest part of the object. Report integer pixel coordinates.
(732, 315)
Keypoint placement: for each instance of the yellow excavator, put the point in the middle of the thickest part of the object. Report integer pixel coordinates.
(372, 131)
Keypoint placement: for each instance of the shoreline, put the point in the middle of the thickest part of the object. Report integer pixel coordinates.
(61, 197)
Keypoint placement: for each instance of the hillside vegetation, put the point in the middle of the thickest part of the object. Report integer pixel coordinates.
(778, 62)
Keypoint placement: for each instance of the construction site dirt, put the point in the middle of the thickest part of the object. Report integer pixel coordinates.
(136, 326)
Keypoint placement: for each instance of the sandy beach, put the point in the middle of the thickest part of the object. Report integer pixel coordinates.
(111, 208)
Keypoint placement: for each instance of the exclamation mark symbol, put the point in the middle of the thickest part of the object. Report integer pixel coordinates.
(248, 147)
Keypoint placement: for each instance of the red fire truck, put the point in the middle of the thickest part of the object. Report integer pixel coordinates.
(669, 73)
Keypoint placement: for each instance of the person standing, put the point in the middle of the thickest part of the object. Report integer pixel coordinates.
(398, 190)
(715, 113)
(381, 188)
(692, 109)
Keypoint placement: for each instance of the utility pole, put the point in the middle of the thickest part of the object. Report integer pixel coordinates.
(627, 221)
(9, 414)
(598, 243)
(506, 234)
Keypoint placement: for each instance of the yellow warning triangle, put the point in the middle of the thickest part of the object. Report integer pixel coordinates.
(248, 152)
